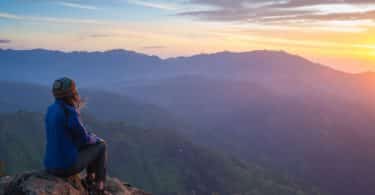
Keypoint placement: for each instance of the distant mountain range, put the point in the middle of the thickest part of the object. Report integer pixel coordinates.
(272, 108)
(114, 69)
(115, 66)
(89, 68)
(105, 106)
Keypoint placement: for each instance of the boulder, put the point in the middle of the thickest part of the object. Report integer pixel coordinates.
(42, 183)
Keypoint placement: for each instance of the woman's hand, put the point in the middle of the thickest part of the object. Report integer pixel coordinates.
(99, 140)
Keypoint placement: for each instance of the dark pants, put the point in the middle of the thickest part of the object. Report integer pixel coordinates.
(91, 157)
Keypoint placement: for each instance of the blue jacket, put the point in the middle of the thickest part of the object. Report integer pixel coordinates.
(65, 135)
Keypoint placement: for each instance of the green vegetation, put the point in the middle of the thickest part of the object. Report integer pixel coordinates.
(21, 141)
(157, 160)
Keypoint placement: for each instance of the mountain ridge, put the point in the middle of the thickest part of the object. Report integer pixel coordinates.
(125, 52)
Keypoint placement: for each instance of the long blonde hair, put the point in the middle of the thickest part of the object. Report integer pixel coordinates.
(74, 100)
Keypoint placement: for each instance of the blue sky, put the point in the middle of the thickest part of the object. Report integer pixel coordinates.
(336, 32)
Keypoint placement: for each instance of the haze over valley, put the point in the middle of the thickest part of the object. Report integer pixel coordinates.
(270, 108)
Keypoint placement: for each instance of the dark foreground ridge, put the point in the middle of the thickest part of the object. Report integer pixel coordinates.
(42, 183)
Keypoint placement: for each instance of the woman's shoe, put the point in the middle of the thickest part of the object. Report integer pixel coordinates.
(89, 185)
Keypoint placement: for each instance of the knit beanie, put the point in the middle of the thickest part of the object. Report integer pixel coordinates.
(64, 87)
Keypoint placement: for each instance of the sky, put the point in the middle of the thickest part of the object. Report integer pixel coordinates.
(338, 33)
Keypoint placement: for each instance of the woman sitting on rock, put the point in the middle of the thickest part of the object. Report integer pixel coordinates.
(70, 148)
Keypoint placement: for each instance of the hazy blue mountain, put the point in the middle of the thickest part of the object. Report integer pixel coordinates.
(104, 105)
(89, 68)
(320, 137)
(285, 73)
(270, 107)
(157, 160)
(115, 66)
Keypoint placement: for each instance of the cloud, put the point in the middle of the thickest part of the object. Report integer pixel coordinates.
(5, 41)
(275, 3)
(243, 14)
(369, 15)
(270, 11)
(153, 4)
(10, 16)
(229, 4)
(154, 47)
(301, 3)
(78, 6)
(100, 35)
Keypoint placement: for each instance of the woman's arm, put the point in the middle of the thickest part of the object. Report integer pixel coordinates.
(80, 135)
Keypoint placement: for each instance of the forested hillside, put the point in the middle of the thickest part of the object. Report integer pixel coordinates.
(160, 161)
(320, 137)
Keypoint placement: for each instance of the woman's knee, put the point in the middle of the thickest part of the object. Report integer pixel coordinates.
(102, 146)
(103, 151)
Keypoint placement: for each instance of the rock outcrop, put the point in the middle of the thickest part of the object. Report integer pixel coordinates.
(42, 183)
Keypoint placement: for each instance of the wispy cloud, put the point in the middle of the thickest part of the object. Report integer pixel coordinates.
(77, 5)
(277, 3)
(5, 41)
(298, 11)
(10, 16)
(154, 47)
(154, 4)
(5, 15)
(357, 16)
(101, 35)
(301, 3)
